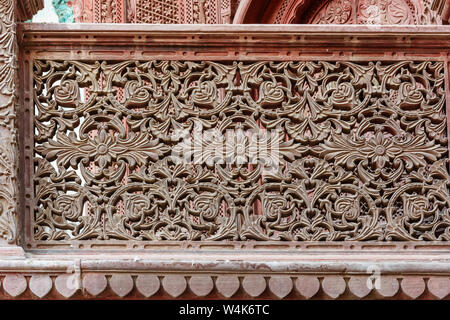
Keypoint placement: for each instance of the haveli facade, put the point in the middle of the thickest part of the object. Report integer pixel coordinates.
(355, 93)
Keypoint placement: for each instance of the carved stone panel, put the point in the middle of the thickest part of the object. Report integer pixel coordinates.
(154, 11)
(204, 150)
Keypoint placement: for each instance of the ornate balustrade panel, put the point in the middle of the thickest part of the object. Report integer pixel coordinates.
(231, 150)
(356, 151)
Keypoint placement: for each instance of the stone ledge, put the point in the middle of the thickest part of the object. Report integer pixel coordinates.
(145, 35)
(141, 278)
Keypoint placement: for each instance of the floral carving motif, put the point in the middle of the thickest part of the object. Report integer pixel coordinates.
(362, 151)
(68, 93)
(385, 12)
(104, 148)
(335, 12)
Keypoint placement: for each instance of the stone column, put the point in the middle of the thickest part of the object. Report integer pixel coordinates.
(10, 13)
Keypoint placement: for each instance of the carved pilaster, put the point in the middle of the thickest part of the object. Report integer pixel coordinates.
(8, 132)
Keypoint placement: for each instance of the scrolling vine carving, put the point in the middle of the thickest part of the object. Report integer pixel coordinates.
(362, 151)
(8, 132)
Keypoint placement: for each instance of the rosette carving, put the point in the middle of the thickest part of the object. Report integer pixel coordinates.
(67, 94)
(336, 12)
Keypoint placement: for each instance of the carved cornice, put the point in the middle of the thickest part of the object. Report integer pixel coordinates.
(232, 36)
(28, 8)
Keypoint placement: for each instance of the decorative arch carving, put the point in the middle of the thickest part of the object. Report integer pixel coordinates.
(270, 12)
(404, 12)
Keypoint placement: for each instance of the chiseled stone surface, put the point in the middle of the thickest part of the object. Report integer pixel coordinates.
(15, 284)
(227, 285)
(334, 286)
(413, 286)
(389, 286)
(148, 285)
(174, 285)
(254, 285)
(439, 286)
(67, 285)
(307, 285)
(94, 283)
(358, 286)
(40, 285)
(201, 285)
(281, 286)
(121, 284)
